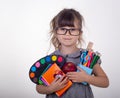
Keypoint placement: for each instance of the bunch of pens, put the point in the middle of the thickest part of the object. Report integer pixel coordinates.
(88, 59)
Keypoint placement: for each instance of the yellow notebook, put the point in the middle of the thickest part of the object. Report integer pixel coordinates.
(50, 74)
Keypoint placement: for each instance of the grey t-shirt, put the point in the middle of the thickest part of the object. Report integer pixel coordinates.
(77, 90)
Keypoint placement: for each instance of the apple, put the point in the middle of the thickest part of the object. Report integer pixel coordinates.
(69, 67)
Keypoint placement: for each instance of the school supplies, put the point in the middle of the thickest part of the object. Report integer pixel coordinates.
(46, 69)
(69, 67)
(54, 72)
(88, 59)
(40, 66)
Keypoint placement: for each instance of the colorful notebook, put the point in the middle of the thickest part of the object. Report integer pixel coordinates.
(51, 73)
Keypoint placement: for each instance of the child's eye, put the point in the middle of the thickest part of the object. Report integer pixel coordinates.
(72, 29)
(63, 29)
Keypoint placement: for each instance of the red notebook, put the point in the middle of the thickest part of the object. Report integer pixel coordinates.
(51, 73)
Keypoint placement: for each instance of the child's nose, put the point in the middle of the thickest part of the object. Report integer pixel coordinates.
(67, 32)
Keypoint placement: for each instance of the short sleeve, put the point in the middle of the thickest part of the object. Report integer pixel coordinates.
(99, 61)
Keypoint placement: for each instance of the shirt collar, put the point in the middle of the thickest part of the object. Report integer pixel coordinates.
(73, 55)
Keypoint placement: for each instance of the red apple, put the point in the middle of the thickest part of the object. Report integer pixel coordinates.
(69, 67)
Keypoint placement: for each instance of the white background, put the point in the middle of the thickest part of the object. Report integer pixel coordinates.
(24, 38)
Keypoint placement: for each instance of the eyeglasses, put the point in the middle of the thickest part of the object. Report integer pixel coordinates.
(72, 31)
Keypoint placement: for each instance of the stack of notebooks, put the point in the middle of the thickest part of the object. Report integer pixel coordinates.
(46, 69)
(49, 75)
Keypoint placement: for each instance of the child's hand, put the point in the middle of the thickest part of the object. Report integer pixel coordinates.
(58, 83)
(77, 76)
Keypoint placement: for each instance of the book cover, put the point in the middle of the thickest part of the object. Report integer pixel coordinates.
(51, 73)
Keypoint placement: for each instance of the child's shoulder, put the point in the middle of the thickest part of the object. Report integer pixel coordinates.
(56, 52)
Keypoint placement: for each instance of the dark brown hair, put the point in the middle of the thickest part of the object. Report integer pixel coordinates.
(66, 17)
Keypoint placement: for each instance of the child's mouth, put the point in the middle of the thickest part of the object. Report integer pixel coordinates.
(67, 38)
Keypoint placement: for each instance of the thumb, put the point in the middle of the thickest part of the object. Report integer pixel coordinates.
(80, 69)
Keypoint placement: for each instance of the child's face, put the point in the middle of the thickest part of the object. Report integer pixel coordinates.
(68, 36)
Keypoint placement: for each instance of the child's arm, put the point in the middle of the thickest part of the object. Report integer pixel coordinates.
(42, 89)
(99, 78)
(56, 85)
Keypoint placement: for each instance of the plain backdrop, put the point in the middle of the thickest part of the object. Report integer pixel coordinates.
(24, 38)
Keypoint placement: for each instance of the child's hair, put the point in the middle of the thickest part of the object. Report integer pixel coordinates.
(66, 17)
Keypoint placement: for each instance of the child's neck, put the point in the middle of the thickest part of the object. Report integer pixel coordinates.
(68, 50)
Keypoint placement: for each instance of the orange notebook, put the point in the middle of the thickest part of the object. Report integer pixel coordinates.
(50, 75)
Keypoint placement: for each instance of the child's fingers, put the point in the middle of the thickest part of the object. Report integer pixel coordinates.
(80, 69)
(65, 80)
(55, 80)
(61, 78)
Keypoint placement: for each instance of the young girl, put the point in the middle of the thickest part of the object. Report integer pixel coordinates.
(66, 32)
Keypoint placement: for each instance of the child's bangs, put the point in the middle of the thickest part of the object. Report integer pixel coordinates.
(66, 20)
